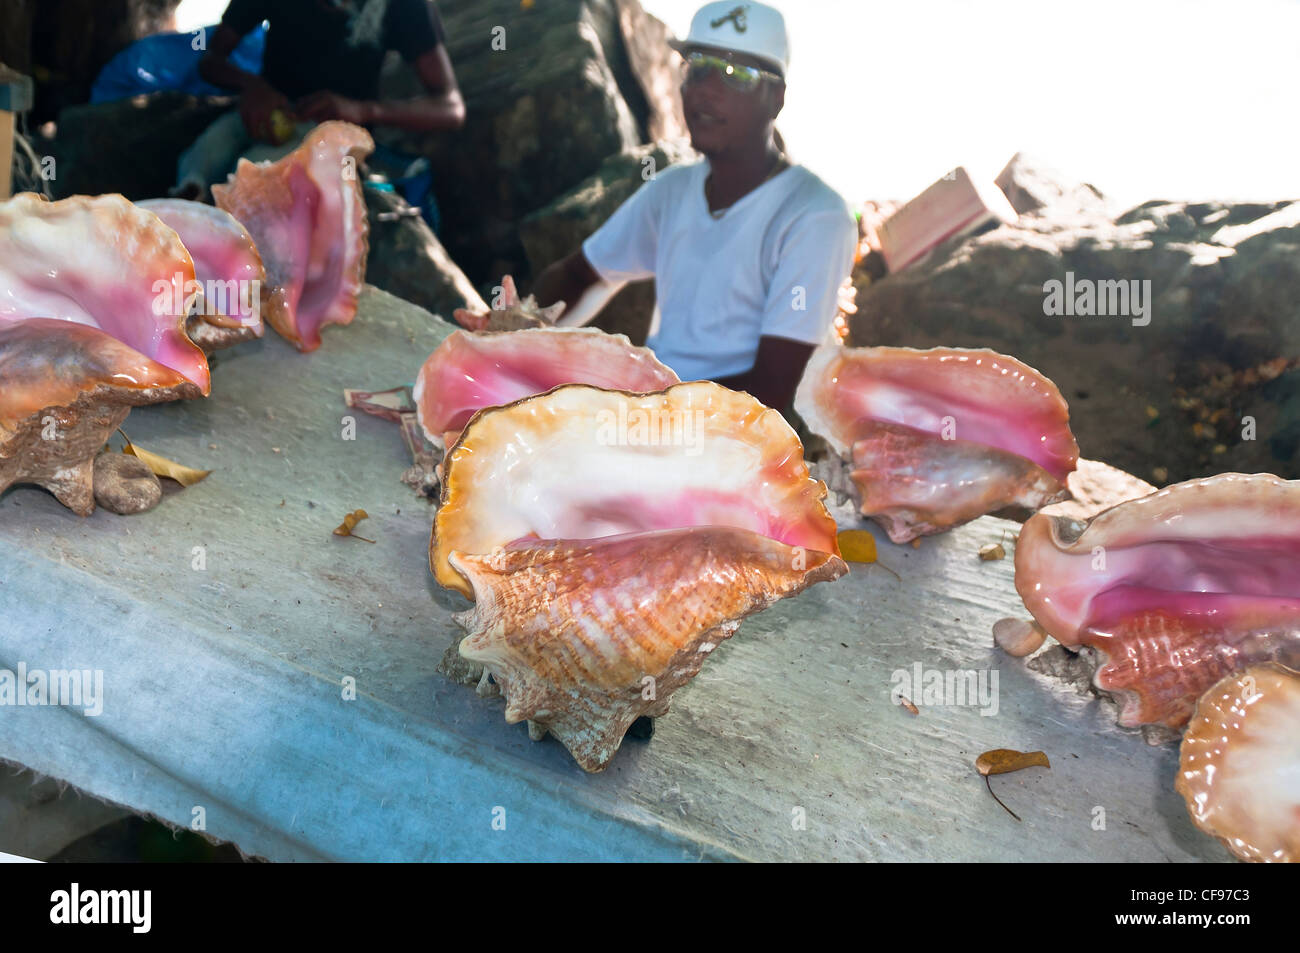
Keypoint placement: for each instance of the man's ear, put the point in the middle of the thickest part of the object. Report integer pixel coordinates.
(776, 99)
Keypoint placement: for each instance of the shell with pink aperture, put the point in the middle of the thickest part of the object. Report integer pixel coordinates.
(469, 371)
(92, 324)
(307, 214)
(1174, 591)
(935, 438)
(596, 598)
(227, 267)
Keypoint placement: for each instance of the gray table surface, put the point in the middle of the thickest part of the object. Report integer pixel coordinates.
(223, 684)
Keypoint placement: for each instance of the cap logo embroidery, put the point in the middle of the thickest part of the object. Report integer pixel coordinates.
(736, 16)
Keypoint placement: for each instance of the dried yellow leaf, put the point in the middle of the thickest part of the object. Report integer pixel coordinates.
(857, 546)
(350, 523)
(161, 466)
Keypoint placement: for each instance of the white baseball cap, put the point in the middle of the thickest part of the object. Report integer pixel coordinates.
(754, 29)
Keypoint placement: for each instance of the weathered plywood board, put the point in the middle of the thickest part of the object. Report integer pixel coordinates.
(222, 676)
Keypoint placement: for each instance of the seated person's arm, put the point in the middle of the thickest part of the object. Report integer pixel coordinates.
(257, 98)
(415, 31)
(441, 109)
(776, 371)
(566, 280)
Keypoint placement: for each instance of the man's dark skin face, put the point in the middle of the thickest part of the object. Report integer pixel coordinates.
(734, 129)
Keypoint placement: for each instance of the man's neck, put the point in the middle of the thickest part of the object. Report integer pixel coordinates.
(732, 176)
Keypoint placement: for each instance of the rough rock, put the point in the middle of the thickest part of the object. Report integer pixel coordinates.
(559, 228)
(124, 484)
(406, 259)
(541, 115)
(1035, 188)
(1168, 400)
(130, 146)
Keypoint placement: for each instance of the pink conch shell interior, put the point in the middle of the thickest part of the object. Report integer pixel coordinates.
(941, 436)
(103, 262)
(307, 214)
(582, 463)
(468, 371)
(223, 252)
(1239, 768)
(1175, 590)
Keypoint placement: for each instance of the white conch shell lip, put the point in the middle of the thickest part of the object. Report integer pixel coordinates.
(519, 488)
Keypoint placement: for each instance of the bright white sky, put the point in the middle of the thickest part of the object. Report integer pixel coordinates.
(1181, 99)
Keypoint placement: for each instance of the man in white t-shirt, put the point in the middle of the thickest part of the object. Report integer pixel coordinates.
(747, 250)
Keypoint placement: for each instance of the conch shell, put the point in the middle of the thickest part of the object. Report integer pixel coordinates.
(470, 371)
(307, 214)
(939, 437)
(611, 541)
(509, 313)
(226, 265)
(1174, 591)
(1239, 769)
(92, 323)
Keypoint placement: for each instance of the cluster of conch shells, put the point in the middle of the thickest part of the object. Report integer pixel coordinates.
(307, 215)
(92, 323)
(938, 437)
(1174, 591)
(227, 268)
(596, 598)
(1239, 768)
(469, 371)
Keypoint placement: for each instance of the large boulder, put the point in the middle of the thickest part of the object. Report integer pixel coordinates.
(550, 90)
(560, 227)
(1166, 400)
(406, 259)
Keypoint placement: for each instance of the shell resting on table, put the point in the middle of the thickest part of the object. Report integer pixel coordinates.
(939, 437)
(472, 370)
(92, 323)
(307, 214)
(611, 541)
(1174, 590)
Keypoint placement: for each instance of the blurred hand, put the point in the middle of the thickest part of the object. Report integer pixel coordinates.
(257, 103)
(324, 105)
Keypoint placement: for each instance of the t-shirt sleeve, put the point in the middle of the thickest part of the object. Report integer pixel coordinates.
(243, 15)
(415, 28)
(815, 258)
(623, 249)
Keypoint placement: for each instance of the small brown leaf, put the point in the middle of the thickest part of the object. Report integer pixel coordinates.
(992, 551)
(349, 524)
(857, 546)
(907, 703)
(161, 466)
(1005, 760)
